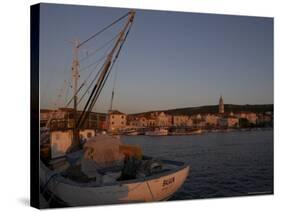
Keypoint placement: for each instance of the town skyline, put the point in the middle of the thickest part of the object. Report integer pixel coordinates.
(171, 59)
(171, 109)
(207, 117)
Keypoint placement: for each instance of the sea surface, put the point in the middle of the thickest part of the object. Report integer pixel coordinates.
(222, 164)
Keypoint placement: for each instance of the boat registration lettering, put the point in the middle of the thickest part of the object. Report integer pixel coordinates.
(168, 181)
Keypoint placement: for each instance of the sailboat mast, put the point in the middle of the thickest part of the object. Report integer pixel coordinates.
(75, 77)
(80, 120)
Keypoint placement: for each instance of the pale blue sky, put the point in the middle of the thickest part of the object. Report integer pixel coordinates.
(170, 60)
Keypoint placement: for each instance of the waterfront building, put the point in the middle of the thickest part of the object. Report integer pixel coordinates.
(46, 114)
(182, 121)
(264, 119)
(143, 121)
(133, 122)
(163, 120)
(198, 121)
(200, 124)
(138, 122)
(116, 120)
(250, 116)
(63, 118)
(228, 121)
(211, 120)
(151, 122)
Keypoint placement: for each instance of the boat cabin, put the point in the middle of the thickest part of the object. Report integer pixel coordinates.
(61, 140)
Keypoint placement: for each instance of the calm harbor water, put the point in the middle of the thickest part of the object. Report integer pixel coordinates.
(222, 164)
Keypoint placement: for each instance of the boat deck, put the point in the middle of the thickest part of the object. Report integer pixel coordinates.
(74, 175)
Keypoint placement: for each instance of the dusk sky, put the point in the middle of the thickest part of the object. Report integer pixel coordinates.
(170, 59)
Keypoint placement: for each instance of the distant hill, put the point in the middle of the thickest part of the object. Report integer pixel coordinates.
(214, 109)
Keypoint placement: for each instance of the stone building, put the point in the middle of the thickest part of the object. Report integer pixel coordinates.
(139, 122)
(116, 120)
(198, 121)
(151, 122)
(211, 120)
(163, 120)
(250, 116)
(182, 121)
(228, 122)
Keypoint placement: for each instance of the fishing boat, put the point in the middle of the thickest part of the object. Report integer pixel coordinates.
(157, 186)
(133, 132)
(100, 169)
(195, 132)
(157, 132)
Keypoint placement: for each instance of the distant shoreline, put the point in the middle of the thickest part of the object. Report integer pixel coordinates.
(205, 131)
(205, 109)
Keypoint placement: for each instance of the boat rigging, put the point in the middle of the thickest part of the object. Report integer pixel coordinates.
(102, 75)
(106, 164)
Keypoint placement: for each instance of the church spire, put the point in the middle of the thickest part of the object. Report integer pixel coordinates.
(221, 105)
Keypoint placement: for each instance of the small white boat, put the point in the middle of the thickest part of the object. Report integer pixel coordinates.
(133, 133)
(95, 175)
(157, 132)
(195, 132)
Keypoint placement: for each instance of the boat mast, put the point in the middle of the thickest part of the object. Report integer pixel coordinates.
(75, 77)
(106, 69)
(80, 120)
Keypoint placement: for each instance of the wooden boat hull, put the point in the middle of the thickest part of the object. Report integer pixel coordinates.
(155, 188)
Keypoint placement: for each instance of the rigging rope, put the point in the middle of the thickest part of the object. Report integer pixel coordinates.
(81, 98)
(97, 61)
(93, 53)
(81, 86)
(97, 90)
(99, 48)
(102, 30)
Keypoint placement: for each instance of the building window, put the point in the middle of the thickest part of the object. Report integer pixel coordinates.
(122, 117)
(112, 122)
(122, 122)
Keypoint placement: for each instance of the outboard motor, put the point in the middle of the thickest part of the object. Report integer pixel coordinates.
(150, 167)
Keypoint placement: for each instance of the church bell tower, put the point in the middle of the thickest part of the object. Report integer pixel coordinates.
(221, 106)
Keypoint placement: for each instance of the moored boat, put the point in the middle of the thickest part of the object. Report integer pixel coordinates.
(195, 132)
(158, 186)
(157, 132)
(133, 133)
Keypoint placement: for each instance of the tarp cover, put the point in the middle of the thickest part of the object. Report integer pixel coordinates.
(101, 151)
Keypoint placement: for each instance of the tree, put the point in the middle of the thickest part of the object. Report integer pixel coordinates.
(243, 122)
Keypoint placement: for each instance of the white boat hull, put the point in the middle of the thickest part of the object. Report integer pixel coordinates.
(133, 133)
(155, 188)
(161, 132)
